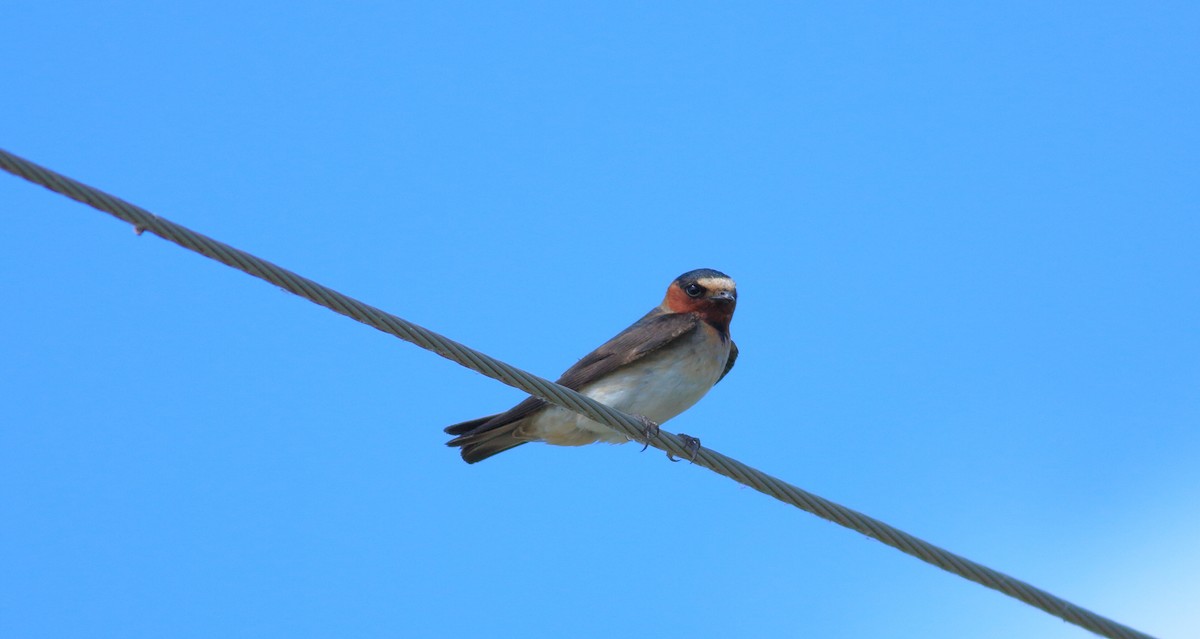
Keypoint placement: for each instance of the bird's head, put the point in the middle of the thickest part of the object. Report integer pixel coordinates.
(708, 293)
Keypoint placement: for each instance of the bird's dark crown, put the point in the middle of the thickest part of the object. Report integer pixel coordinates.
(701, 273)
(709, 280)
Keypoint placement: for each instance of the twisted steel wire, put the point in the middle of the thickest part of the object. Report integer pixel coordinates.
(143, 220)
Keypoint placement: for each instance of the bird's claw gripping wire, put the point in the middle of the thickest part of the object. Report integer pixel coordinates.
(691, 445)
(649, 430)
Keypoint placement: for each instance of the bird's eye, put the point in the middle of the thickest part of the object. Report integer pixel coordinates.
(693, 290)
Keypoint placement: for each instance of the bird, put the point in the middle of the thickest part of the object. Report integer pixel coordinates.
(654, 370)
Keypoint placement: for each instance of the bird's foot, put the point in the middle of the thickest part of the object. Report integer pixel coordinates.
(649, 430)
(691, 445)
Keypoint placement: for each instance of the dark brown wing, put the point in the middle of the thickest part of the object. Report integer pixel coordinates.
(655, 330)
(733, 353)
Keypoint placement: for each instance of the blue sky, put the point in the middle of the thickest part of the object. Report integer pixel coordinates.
(966, 238)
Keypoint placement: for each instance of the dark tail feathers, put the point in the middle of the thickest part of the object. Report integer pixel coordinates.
(479, 441)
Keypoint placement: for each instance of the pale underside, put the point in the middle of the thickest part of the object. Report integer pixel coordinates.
(659, 387)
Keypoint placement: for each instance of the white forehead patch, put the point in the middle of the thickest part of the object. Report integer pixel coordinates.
(717, 283)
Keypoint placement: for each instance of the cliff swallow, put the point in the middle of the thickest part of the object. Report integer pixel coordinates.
(655, 369)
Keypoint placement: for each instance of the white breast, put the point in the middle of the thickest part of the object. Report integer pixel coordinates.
(660, 386)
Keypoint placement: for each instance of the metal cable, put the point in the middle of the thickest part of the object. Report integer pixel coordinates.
(143, 220)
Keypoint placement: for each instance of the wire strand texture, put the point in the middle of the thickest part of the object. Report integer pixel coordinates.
(143, 220)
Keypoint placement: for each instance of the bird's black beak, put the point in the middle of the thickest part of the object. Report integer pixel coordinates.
(723, 296)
